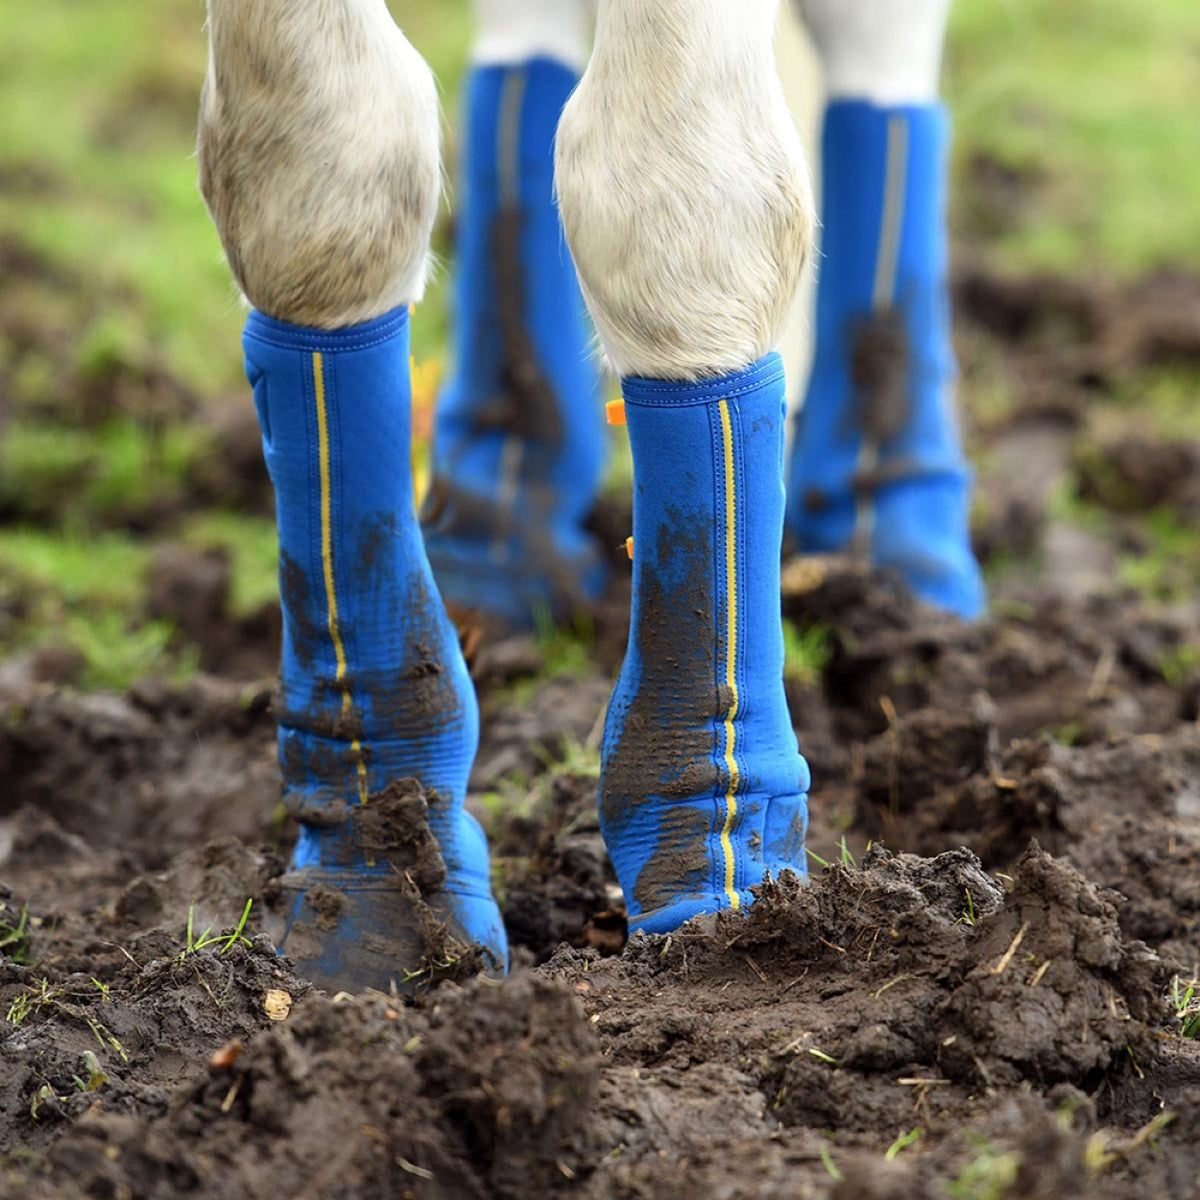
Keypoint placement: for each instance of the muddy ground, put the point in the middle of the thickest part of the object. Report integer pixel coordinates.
(984, 994)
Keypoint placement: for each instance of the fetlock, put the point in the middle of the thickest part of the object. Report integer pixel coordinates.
(703, 790)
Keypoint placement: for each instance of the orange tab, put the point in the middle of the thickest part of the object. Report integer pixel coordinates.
(629, 548)
(615, 411)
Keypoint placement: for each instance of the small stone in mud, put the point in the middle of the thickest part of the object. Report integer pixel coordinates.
(229, 1053)
(277, 1004)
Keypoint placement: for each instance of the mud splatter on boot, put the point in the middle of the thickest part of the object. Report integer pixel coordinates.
(703, 791)
(377, 896)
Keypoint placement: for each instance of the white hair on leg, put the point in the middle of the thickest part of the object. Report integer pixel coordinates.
(514, 31)
(886, 51)
(683, 186)
(320, 156)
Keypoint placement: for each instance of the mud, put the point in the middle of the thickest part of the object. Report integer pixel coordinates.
(985, 994)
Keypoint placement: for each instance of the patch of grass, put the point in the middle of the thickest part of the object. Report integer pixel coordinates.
(194, 943)
(46, 998)
(1185, 1004)
(806, 651)
(1165, 570)
(1094, 101)
(81, 478)
(566, 651)
(1169, 569)
(1161, 400)
(1180, 664)
(116, 653)
(86, 593)
(987, 1176)
(14, 938)
(967, 917)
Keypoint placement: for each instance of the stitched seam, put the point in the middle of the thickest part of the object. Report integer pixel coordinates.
(720, 587)
(332, 341)
(643, 393)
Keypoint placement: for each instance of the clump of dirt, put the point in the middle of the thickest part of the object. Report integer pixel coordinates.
(118, 1035)
(556, 882)
(153, 773)
(483, 1092)
(1135, 474)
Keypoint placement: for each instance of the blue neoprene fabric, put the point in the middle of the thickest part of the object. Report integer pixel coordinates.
(373, 684)
(703, 789)
(519, 439)
(887, 473)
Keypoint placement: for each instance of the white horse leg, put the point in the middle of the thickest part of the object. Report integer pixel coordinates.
(686, 201)
(683, 186)
(514, 31)
(885, 51)
(319, 161)
(319, 151)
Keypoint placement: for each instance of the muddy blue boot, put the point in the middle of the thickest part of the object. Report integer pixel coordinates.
(877, 467)
(703, 790)
(378, 723)
(519, 439)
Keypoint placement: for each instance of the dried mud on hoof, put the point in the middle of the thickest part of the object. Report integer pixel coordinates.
(350, 930)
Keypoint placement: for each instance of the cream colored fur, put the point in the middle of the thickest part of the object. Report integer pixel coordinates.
(514, 31)
(682, 182)
(886, 51)
(319, 149)
(683, 187)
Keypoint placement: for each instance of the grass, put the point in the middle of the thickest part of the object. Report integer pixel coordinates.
(1088, 103)
(208, 940)
(44, 997)
(902, 1143)
(1093, 102)
(253, 550)
(88, 478)
(85, 593)
(14, 939)
(1185, 1004)
(1168, 569)
(986, 1176)
(806, 651)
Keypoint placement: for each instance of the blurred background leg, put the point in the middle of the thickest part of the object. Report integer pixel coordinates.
(877, 466)
(519, 441)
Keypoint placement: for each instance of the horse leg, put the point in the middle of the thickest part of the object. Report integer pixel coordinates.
(519, 437)
(686, 202)
(320, 162)
(877, 466)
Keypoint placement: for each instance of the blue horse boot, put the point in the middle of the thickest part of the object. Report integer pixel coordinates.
(703, 790)
(519, 439)
(877, 467)
(378, 723)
